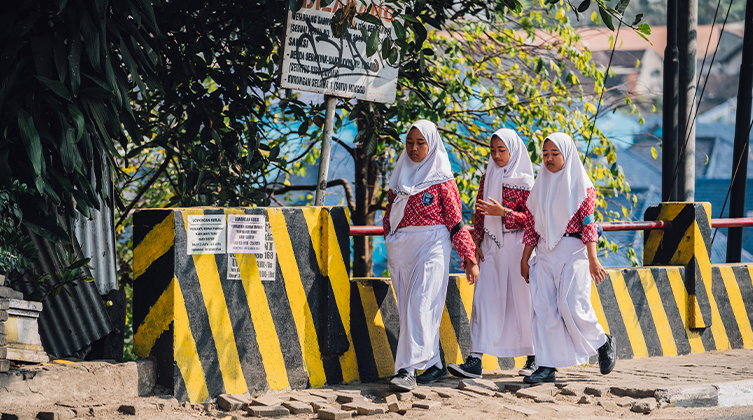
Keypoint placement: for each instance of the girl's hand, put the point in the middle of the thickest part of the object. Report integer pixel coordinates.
(471, 271)
(490, 209)
(597, 271)
(525, 269)
(479, 254)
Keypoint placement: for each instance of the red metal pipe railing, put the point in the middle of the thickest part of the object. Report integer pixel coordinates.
(607, 226)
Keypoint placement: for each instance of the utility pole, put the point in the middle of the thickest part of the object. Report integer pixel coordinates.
(669, 121)
(687, 41)
(742, 139)
(329, 122)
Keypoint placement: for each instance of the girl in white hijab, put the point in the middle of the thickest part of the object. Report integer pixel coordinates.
(561, 226)
(501, 316)
(422, 220)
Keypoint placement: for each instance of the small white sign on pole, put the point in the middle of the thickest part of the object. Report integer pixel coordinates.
(205, 234)
(314, 60)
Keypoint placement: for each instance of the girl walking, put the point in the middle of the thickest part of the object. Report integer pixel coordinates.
(501, 316)
(562, 228)
(422, 220)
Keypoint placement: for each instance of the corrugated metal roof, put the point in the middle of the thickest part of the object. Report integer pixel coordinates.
(97, 239)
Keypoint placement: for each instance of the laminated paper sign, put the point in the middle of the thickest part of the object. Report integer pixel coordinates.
(206, 234)
(250, 234)
(315, 61)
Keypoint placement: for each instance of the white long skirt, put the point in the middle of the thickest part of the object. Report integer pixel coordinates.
(566, 331)
(502, 311)
(419, 261)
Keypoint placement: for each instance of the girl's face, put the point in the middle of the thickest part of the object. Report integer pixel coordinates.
(500, 153)
(553, 158)
(416, 145)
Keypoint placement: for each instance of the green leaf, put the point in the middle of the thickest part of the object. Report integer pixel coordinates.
(78, 119)
(372, 44)
(368, 17)
(59, 88)
(325, 3)
(31, 141)
(61, 58)
(68, 151)
(91, 37)
(41, 47)
(584, 6)
(411, 19)
(638, 19)
(399, 29)
(645, 28)
(654, 154)
(607, 18)
(74, 62)
(621, 6)
(420, 31)
(386, 48)
(394, 56)
(364, 31)
(295, 5)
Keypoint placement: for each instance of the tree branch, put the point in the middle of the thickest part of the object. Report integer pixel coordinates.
(335, 182)
(145, 187)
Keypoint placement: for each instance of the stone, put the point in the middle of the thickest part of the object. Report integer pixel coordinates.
(422, 392)
(502, 395)
(7, 293)
(231, 402)
(404, 396)
(351, 406)
(3, 352)
(573, 389)
(585, 399)
(370, 409)
(478, 390)
(4, 304)
(48, 415)
(536, 396)
(4, 365)
(18, 296)
(3, 315)
(266, 411)
(597, 390)
(404, 407)
(321, 405)
(127, 409)
(327, 395)
(633, 392)
(297, 407)
(469, 394)
(513, 387)
(2, 327)
(266, 401)
(334, 414)
(446, 392)
(644, 405)
(610, 406)
(547, 389)
(392, 403)
(427, 405)
(381, 393)
(308, 399)
(521, 410)
(625, 402)
(349, 397)
(481, 383)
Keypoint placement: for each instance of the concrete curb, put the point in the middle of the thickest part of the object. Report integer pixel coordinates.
(724, 394)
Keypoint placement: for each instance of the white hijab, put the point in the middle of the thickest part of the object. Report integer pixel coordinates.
(517, 174)
(410, 178)
(556, 197)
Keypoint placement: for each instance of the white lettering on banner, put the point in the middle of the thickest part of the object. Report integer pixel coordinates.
(205, 234)
(315, 61)
(266, 256)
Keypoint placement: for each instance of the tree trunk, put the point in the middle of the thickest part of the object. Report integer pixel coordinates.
(367, 190)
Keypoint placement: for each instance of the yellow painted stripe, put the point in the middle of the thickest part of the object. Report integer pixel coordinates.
(627, 310)
(327, 249)
(264, 327)
(155, 323)
(661, 322)
(738, 305)
(380, 345)
(520, 361)
(598, 307)
(488, 362)
(448, 340)
(158, 241)
(681, 299)
(717, 327)
(299, 305)
(652, 245)
(220, 323)
(186, 354)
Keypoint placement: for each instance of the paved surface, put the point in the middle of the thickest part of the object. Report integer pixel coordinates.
(659, 387)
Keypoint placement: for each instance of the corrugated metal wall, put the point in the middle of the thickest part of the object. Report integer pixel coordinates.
(97, 240)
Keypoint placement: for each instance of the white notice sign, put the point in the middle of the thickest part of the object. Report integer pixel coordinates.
(315, 61)
(266, 257)
(205, 234)
(246, 233)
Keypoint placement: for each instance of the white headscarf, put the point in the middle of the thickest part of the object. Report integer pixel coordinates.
(410, 178)
(556, 197)
(518, 174)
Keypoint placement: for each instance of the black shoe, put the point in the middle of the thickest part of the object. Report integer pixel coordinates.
(432, 375)
(542, 374)
(607, 357)
(404, 381)
(470, 369)
(529, 367)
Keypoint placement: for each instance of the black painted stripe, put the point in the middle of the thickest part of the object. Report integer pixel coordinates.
(144, 221)
(359, 331)
(704, 225)
(675, 235)
(614, 318)
(746, 288)
(643, 311)
(675, 318)
(163, 352)
(244, 332)
(148, 287)
(179, 386)
(458, 317)
(387, 304)
(198, 318)
(342, 230)
(725, 309)
(699, 289)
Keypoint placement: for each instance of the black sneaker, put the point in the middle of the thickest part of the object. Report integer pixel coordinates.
(529, 367)
(607, 356)
(432, 375)
(470, 369)
(542, 374)
(404, 381)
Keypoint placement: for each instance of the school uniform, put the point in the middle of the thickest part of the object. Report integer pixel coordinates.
(559, 209)
(422, 221)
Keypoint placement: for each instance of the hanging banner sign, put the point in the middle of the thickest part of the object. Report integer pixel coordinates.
(314, 60)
